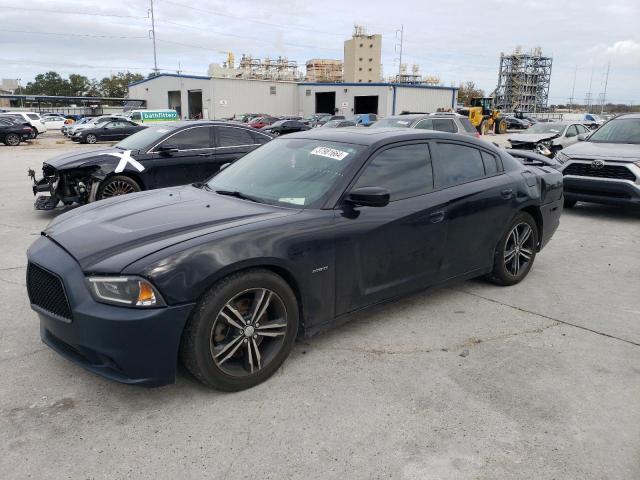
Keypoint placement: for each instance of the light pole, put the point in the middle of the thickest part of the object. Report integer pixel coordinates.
(153, 37)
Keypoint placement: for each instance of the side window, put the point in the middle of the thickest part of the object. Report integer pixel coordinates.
(258, 138)
(457, 164)
(404, 171)
(190, 139)
(136, 116)
(232, 137)
(110, 125)
(572, 131)
(468, 126)
(426, 124)
(490, 163)
(582, 129)
(444, 125)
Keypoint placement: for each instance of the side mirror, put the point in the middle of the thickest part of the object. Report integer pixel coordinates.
(224, 165)
(168, 149)
(369, 197)
(582, 137)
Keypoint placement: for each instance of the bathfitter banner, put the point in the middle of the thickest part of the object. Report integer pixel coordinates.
(159, 116)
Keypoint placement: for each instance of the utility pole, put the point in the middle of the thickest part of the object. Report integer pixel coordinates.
(606, 81)
(587, 98)
(400, 57)
(573, 89)
(152, 32)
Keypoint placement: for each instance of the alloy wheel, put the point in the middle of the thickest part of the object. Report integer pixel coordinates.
(91, 138)
(117, 187)
(13, 139)
(518, 249)
(248, 332)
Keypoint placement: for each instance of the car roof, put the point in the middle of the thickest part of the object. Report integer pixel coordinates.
(373, 136)
(627, 115)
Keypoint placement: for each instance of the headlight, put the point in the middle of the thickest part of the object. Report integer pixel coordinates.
(561, 158)
(125, 291)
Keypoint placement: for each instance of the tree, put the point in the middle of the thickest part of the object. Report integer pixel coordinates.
(78, 85)
(118, 85)
(467, 91)
(50, 83)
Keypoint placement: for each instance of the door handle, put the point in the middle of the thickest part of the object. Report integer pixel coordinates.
(436, 217)
(205, 154)
(507, 193)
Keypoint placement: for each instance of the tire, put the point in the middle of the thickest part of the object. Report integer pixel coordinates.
(34, 133)
(501, 127)
(117, 185)
(232, 364)
(505, 272)
(275, 133)
(569, 203)
(90, 138)
(12, 140)
(482, 128)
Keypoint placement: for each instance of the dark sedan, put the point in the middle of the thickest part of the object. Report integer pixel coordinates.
(13, 132)
(286, 126)
(297, 236)
(175, 153)
(109, 131)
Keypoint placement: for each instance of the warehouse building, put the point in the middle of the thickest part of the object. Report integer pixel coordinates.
(215, 98)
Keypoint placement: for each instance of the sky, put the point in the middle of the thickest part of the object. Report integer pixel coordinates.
(456, 40)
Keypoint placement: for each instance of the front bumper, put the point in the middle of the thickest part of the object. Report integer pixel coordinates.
(611, 192)
(134, 346)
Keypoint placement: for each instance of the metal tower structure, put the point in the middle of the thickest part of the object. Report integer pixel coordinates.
(523, 81)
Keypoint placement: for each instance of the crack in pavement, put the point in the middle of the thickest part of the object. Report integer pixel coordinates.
(470, 342)
(24, 355)
(564, 322)
(11, 268)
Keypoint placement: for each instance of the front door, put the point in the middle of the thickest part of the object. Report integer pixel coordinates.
(383, 252)
(195, 150)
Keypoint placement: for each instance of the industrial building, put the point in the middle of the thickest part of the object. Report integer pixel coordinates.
(215, 98)
(324, 70)
(523, 81)
(363, 57)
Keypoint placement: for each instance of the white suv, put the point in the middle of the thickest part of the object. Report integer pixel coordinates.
(30, 117)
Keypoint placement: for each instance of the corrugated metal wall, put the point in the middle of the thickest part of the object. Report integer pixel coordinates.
(234, 96)
(423, 99)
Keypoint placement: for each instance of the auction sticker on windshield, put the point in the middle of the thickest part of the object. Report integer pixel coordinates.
(329, 153)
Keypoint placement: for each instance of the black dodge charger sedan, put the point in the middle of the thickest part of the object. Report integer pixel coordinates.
(107, 131)
(298, 235)
(166, 155)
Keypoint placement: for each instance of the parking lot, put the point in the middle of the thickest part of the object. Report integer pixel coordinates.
(539, 380)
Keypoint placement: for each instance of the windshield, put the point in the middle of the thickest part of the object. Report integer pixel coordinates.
(546, 128)
(144, 139)
(397, 122)
(288, 171)
(332, 124)
(623, 130)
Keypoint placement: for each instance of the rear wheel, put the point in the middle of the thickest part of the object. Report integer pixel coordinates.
(12, 139)
(516, 251)
(118, 185)
(241, 330)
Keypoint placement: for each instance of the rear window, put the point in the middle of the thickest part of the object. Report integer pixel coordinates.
(467, 125)
(444, 125)
(33, 116)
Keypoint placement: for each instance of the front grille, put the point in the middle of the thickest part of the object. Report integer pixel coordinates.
(47, 292)
(617, 172)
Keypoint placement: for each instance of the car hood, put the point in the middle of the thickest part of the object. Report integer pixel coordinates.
(531, 137)
(82, 158)
(108, 235)
(622, 152)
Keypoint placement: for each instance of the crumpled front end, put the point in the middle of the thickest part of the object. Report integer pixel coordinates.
(67, 186)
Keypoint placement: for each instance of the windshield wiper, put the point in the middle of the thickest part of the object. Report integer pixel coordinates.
(237, 194)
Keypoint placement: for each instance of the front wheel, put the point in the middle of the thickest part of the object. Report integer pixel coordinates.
(117, 185)
(516, 251)
(91, 138)
(241, 330)
(569, 203)
(12, 140)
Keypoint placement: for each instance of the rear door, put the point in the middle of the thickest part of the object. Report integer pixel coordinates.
(383, 252)
(189, 164)
(479, 197)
